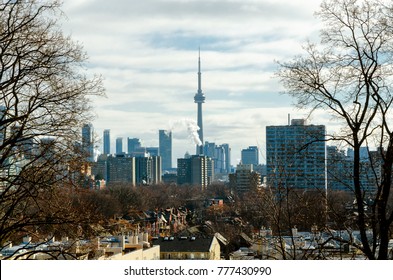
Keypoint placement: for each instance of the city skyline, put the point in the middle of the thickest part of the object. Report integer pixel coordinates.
(147, 54)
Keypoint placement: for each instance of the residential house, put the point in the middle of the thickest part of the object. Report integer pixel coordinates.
(188, 248)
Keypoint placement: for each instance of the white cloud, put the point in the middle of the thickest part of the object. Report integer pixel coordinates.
(147, 52)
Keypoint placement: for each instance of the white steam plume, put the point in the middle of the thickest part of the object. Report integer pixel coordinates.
(192, 129)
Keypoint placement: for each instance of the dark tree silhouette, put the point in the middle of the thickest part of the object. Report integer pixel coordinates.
(44, 101)
(349, 75)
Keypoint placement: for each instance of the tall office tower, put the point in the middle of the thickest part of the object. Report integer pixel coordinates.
(227, 150)
(217, 153)
(165, 148)
(133, 145)
(107, 142)
(119, 145)
(296, 155)
(87, 141)
(199, 98)
(209, 149)
(250, 155)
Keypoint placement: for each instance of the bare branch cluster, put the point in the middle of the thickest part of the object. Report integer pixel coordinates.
(44, 100)
(349, 74)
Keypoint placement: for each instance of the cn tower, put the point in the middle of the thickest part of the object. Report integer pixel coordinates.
(199, 98)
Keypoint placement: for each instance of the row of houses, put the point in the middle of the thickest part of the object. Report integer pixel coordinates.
(161, 222)
(193, 244)
(123, 247)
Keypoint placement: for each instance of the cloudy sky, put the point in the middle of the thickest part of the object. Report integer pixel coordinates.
(147, 52)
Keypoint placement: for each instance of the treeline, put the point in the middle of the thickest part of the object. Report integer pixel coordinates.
(279, 210)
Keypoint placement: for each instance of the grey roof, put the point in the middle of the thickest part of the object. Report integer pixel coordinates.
(184, 244)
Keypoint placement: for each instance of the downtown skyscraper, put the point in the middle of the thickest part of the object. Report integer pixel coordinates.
(220, 154)
(250, 156)
(87, 141)
(165, 148)
(119, 145)
(107, 142)
(133, 145)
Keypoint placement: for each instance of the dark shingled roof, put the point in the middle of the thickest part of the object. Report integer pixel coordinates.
(183, 244)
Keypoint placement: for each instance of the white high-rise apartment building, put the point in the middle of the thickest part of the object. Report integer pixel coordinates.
(296, 155)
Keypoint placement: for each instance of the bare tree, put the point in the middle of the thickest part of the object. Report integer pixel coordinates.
(349, 74)
(44, 100)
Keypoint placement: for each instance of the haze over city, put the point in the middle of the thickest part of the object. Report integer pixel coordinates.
(147, 53)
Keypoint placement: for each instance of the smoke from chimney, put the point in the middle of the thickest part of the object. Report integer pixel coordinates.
(192, 129)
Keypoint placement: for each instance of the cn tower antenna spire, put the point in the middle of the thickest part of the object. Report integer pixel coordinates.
(199, 98)
(199, 72)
